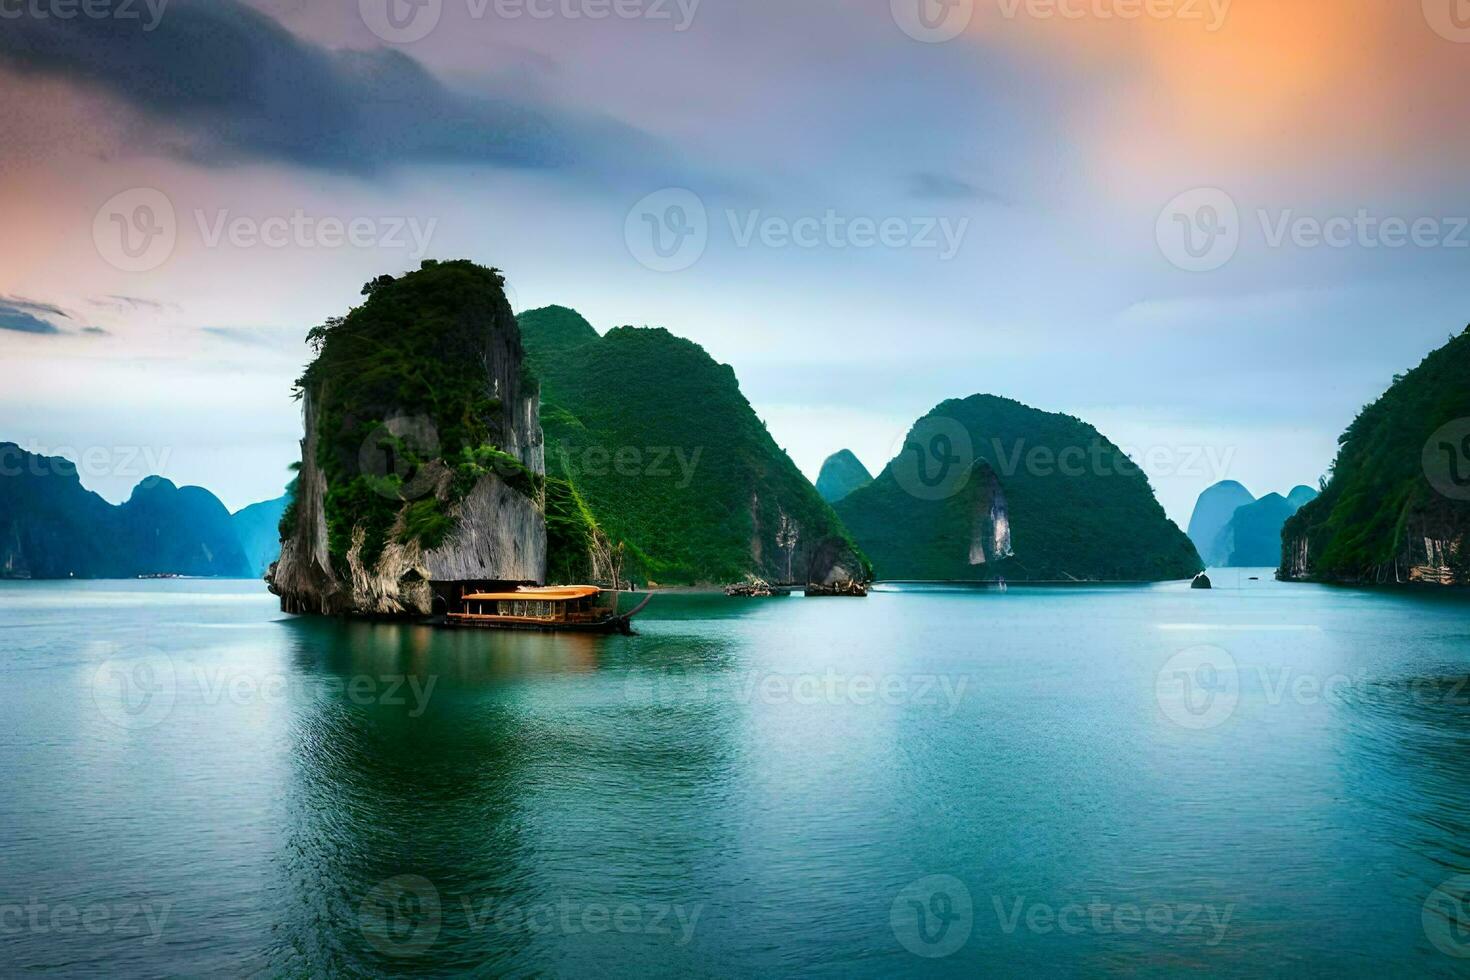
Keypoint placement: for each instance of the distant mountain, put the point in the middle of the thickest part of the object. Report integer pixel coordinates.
(257, 528)
(1251, 537)
(1300, 496)
(1212, 512)
(52, 527)
(988, 488)
(1254, 532)
(654, 457)
(1397, 505)
(842, 473)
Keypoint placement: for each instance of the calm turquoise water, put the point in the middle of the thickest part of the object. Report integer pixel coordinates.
(1252, 781)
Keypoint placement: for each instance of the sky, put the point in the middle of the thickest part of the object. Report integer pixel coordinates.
(1215, 229)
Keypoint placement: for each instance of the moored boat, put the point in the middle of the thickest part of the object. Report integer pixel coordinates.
(571, 608)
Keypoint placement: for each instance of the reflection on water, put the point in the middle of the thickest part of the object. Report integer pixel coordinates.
(745, 787)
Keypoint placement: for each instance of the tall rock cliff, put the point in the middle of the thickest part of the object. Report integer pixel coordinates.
(1397, 506)
(422, 457)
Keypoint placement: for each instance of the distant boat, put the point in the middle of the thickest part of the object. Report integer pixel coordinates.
(568, 608)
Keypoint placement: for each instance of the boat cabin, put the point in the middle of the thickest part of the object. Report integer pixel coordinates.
(531, 606)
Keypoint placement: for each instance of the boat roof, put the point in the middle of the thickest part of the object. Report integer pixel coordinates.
(553, 593)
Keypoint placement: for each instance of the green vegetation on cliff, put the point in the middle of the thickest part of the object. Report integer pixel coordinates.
(405, 421)
(988, 488)
(1400, 482)
(650, 445)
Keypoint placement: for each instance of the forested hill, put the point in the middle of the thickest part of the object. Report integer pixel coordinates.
(1396, 507)
(987, 488)
(650, 444)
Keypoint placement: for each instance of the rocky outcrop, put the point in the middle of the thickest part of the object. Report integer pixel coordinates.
(990, 528)
(448, 487)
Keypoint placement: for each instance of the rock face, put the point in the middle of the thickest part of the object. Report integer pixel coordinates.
(1212, 513)
(986, 488)
(423, 466)
(1252, 539)
(1397, 506)
(841, 474)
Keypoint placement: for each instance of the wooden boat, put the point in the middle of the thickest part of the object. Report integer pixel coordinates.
(571, 608)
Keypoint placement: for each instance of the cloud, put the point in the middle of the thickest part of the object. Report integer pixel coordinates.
(948, 188)
(23, 322)
(98, 331)
(237, 86)
(25, 316)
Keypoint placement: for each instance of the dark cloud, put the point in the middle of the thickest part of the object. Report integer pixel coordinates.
(238, 86)
(98, 331)
(948, 188)
(118, 302)
(21, 321)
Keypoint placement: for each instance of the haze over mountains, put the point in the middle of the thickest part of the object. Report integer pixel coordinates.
(1231, 528)
(52, 527)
